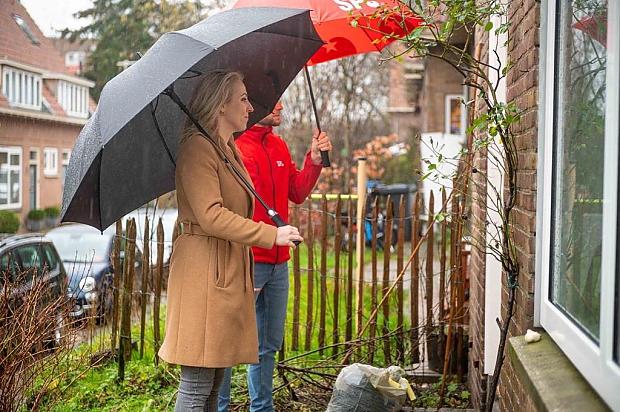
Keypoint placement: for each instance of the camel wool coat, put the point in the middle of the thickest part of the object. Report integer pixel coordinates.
(211, 320)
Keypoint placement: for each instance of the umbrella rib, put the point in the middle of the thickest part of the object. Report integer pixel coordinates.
(161, 135)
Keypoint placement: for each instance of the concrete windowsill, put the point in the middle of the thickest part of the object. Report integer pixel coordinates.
(552, 381)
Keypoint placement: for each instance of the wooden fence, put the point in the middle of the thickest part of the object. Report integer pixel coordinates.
(403, 303)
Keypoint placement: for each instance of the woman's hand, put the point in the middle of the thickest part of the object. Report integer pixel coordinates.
(286, 235)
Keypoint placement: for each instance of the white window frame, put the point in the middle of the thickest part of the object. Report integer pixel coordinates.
(38, 176)
(50, 168)
(22, 88)
(73, 98)
(12, 150)
(460, 98)
(595, 362)
(65, 162)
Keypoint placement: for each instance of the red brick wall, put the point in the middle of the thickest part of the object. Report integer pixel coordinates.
(522, 89)
(32, 134)
(440, 79)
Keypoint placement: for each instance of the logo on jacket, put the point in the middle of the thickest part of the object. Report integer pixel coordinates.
(279, 163)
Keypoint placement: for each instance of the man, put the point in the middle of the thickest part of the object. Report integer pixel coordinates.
(277, 180)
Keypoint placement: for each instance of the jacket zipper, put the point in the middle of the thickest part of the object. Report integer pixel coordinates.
(273, 187)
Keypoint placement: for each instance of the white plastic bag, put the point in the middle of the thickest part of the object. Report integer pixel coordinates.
(364, 388)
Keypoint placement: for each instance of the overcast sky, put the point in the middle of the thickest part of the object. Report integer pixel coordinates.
(51, 16)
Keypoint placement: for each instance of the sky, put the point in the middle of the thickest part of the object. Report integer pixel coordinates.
(51, 15)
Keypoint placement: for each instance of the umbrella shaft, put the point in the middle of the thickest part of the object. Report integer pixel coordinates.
(275, 217)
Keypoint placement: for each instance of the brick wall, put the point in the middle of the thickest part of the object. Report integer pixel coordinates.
(440, 79)
(522, 88)
(29, 135)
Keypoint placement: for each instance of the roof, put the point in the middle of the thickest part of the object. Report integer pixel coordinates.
(16, 45)
(25, 47)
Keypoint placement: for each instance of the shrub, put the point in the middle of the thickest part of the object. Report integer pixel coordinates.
(36, 214)
(9, 222)
(52, 211)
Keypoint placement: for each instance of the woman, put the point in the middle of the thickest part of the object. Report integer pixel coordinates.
(210, 321)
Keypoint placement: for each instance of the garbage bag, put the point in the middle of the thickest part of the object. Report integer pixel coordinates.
(365, 388)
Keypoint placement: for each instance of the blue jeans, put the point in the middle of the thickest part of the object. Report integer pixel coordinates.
(271, 293)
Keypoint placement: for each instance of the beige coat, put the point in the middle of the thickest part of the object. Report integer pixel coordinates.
(211, 319)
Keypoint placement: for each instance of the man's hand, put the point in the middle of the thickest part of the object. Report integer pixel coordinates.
(320, 142)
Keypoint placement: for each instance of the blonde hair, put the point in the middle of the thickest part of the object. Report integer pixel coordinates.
(213, 93)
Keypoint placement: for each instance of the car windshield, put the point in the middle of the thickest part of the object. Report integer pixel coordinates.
(81, 247)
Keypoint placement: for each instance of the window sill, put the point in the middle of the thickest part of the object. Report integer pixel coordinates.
(551, 380)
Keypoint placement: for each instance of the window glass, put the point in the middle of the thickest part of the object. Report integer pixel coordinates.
(577, 207)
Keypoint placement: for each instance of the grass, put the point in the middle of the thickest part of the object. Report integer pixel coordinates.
(152, 388)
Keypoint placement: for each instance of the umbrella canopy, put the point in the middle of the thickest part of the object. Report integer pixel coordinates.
(124, 156)
(332, 20)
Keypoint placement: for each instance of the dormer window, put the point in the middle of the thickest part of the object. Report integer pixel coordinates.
(73, 98)
(21, 88)
(26, 29)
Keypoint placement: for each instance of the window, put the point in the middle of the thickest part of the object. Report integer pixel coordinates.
(50, 161)
(66, 155)
(579, 263)
(21, 88)
(455, 114)
(10, 177)
(8, 268)
(74, 58)
(25, 28)
(73, 98)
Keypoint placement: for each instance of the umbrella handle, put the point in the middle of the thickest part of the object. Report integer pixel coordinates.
(275, 217)
(324, 154)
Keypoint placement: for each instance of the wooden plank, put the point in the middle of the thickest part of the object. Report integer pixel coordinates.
(323, 278)
(442, 273)
(159, 275)
(126, 299)
(146, 265)
(296, 286)
(430, 239)
(400, 252)
(387, 254)
(309, 279)
(414, 286)
(349, 288)
(372, 331)
(337, 248)
(116, 281)
(360, 270)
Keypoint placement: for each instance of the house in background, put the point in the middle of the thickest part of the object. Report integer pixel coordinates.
(426, 99)
(43, 107)
(75, 54)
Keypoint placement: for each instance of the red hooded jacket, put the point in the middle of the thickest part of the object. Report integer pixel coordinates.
(276, 179)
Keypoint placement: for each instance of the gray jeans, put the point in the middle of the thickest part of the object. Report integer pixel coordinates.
(198, 389)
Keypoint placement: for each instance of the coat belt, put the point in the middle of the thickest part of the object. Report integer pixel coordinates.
(192, 228)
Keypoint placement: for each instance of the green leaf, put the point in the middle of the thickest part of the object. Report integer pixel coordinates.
(488, 26)
(354, 23)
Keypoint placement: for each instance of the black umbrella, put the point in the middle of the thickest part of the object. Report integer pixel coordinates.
(125, 155)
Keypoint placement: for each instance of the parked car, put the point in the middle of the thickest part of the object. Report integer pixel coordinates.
(24, 257)
(86, 254)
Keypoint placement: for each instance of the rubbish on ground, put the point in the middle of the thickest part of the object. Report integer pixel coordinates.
(364, 388)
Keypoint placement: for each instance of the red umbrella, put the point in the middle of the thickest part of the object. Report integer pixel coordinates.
(333, 22)
(348, 27)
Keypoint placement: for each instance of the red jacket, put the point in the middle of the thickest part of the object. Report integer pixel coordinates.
(276, 179)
